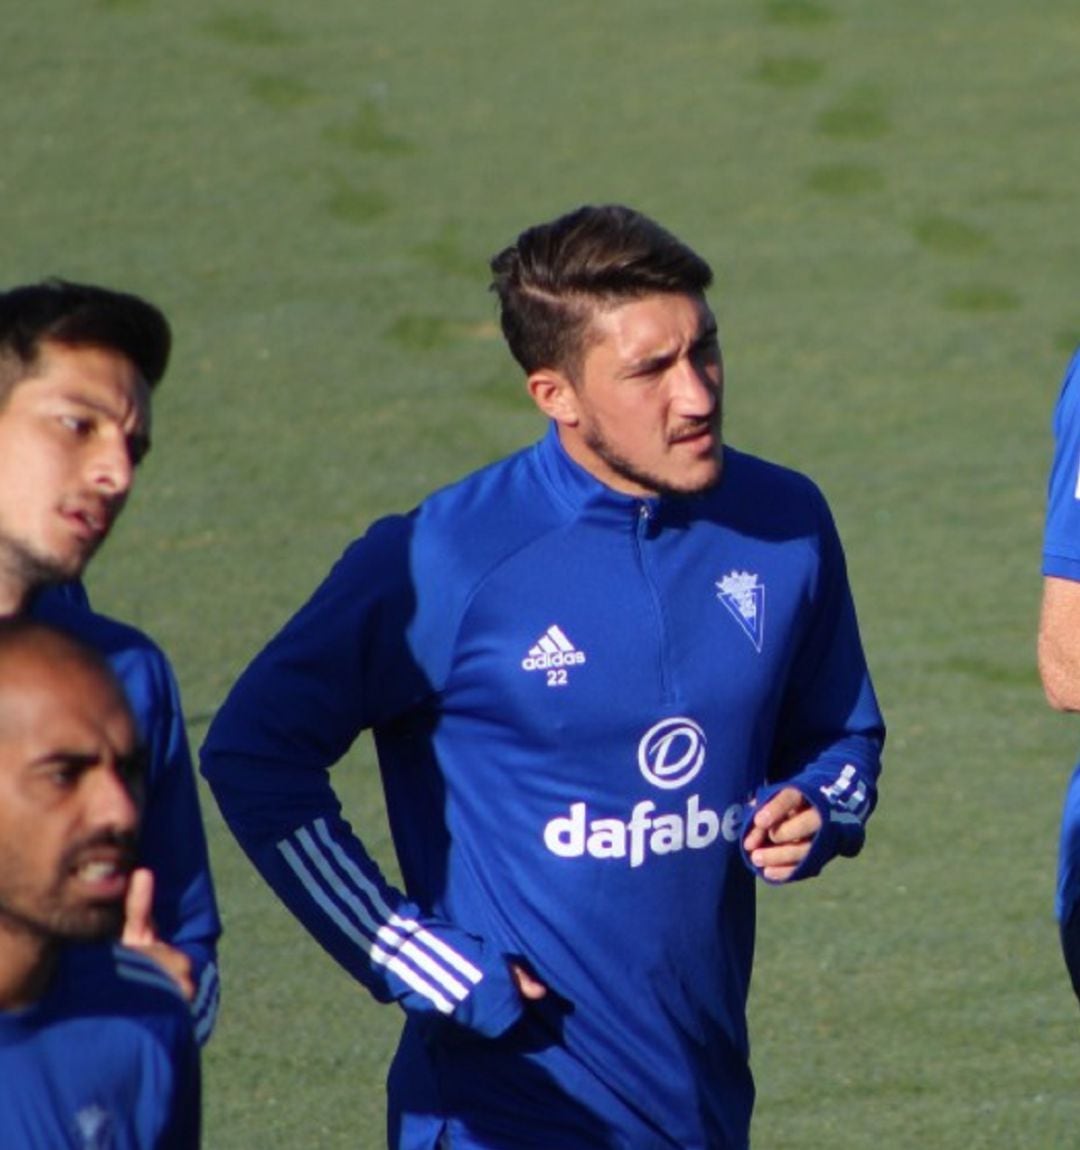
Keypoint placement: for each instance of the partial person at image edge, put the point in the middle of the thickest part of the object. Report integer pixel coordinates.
(1059, 640)
(97, 1045)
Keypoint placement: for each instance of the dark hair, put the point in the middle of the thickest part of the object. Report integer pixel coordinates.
(79, 315)
(550, 280)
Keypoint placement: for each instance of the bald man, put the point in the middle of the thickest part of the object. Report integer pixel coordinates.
(97, 1045)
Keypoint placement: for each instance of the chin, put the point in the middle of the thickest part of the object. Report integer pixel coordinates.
(92, 923)
(704, 480)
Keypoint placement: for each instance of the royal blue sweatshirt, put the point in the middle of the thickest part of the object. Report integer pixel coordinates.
(574, 695)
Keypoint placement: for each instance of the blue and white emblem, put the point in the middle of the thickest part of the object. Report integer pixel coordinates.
(744, 597)
(95, 1128)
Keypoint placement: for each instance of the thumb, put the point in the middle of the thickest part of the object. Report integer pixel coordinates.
(138, 920)
(528, 987)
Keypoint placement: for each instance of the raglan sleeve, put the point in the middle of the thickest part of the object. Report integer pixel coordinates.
(831, 732)
(173, 846)
(341, 665)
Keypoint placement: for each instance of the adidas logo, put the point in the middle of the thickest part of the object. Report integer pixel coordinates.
(552, 649)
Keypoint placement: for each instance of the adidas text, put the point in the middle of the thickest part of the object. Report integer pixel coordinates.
(544, 660)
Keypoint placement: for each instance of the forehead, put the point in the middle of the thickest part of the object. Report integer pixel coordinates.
(94, 376)
(45, 702)
(643, 327)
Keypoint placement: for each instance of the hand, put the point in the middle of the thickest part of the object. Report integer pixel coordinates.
(781, 834)
(140, 933)
(531, 989)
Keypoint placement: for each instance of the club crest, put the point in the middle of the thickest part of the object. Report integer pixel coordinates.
(744, 597)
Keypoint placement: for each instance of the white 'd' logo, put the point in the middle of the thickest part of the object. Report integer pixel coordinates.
(671, 753)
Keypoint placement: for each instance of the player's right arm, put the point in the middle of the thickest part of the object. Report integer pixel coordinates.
(1059, 621)
(343, 664)
(1059, 643)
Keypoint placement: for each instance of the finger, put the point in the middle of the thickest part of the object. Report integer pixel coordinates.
(778, 873)
(528, 987)
(803, 825)
(779, 807)
(755, 837)
(138, 919)
(789, 855)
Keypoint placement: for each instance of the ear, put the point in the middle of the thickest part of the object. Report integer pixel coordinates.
(555, 395)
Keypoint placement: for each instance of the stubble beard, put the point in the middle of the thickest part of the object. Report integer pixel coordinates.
(27, 909)
(594, 439)
(22, 571)
(55, 922)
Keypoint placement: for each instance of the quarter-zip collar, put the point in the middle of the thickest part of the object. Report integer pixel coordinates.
(584, 494)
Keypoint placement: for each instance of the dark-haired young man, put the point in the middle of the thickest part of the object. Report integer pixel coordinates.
(610, 679)
(97, 1046)
(77, 365)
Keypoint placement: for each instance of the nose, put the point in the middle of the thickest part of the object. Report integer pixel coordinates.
(696, 388)
(112, 468)
(110, 801)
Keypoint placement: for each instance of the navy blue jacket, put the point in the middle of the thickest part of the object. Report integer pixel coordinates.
(107, 1058)
(172, 839)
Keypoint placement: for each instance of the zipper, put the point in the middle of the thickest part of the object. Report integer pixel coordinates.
(645, 520)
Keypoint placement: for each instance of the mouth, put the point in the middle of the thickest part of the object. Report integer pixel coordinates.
(702, 438)
(90, 523)
(104, 876)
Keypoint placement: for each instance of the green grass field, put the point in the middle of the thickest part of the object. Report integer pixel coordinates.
(889, 194)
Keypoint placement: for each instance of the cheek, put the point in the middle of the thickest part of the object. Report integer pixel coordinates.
(26, 473)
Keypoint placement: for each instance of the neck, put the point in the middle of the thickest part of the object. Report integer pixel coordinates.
(27, 962)
(15, 591)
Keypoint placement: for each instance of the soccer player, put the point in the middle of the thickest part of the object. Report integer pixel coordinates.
(97, 1045)
(1059, 639)
(611, 679)
(77, 365)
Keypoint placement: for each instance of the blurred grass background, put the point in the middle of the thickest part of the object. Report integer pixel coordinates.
(889, 196)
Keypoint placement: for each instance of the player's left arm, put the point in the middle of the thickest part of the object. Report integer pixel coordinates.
(173, 846)
(822, 782)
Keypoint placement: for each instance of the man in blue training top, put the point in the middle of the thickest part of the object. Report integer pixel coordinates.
(611, 679)
(97, 1045)
(1059, 639)
(77, 365)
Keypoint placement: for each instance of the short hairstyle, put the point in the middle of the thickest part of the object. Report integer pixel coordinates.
(78, 315)
(22, 636)
(552, 278)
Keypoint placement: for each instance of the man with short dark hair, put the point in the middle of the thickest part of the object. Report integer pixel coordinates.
(77, 366)
(611, 679)
(97, 1046)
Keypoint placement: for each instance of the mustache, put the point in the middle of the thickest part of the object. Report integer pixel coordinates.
(692, 427)
(120, 843)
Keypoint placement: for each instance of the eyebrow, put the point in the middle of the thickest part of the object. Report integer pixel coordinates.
(61, 756)
(132, 763)
(653, 363)
(92, 404)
